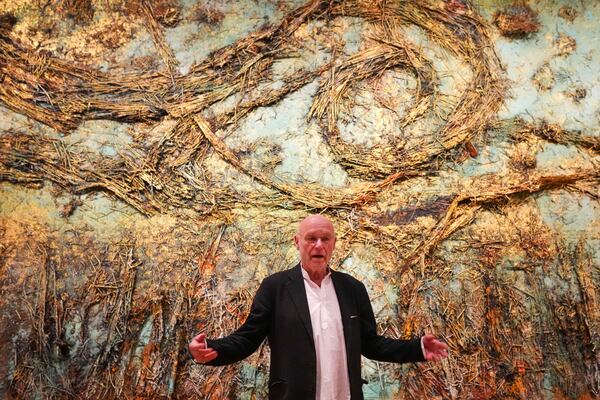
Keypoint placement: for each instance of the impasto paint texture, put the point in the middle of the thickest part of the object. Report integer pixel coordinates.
(156, 157)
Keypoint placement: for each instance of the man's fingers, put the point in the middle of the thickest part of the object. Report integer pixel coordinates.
(194, 344)
(202, 352)
(440, 352)
(441, 345)
(200, 338)
(432, 344)
(196, 347)
(435, 350)
(198, 342)
(205, 355)
(210, 356)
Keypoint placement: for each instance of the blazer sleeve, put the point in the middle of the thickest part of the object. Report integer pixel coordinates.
(381, 348)
(246, 339)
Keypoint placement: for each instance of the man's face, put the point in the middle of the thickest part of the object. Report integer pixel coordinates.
(315, 241)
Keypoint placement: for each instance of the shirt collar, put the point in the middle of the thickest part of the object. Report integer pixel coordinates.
(307, 277)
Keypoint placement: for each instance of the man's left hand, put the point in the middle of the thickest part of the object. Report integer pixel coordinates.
(434, 349)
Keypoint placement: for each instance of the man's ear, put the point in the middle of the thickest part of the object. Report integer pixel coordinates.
(296, 240)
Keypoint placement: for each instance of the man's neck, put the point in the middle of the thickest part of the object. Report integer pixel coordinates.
(316, 275)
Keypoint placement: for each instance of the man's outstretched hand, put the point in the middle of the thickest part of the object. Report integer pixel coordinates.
(434, 349)
(200, 351)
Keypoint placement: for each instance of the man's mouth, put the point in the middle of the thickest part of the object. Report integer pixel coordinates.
(318, 257)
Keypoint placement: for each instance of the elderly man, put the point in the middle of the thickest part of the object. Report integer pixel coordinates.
(318, 323)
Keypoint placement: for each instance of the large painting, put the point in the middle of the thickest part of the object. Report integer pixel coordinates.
(156, 157)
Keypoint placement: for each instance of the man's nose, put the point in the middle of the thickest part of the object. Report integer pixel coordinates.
(319, 243)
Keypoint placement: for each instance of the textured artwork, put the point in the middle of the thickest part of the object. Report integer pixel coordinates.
(156, 157)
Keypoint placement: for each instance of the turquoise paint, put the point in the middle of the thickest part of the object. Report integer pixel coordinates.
(490, 160)
(522, 58)
(353, 35)
(193, 41)
(143, 339)
(571, 214)
(557, 158)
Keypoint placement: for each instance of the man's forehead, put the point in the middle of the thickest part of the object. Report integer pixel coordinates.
(314, 223)
(318, 231)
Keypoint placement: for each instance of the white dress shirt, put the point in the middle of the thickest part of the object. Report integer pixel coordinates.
(328, 333)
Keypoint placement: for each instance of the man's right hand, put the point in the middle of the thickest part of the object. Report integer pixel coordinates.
(200, 351)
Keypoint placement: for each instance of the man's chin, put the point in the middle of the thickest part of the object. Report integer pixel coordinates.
(316, 263)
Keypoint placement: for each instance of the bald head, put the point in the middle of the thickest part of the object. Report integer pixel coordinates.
(315, 241)
(315, 220)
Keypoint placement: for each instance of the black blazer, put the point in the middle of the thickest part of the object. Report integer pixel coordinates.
(280, 313)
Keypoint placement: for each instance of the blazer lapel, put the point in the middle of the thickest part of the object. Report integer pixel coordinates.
(297, 291)
(345, 301)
